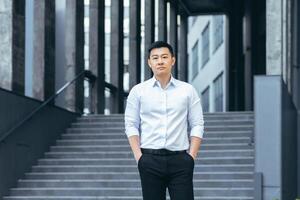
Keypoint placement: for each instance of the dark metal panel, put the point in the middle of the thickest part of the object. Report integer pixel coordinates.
(162, 20)
(236, 63)
(183, 61)
(135, 43)
(79, 89)
(149, 34)
(173, 34)
(28, 143)
(49, 88)
(18, 46)
(202, 7)
(117, 63)
(97, 55)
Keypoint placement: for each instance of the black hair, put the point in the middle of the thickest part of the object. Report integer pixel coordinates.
(160, 44)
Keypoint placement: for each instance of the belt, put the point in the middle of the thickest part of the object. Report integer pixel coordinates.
(162, 152)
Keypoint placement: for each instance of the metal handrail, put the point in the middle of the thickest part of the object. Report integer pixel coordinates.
(86, 73)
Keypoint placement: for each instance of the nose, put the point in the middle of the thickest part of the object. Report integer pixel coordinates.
(160, 61)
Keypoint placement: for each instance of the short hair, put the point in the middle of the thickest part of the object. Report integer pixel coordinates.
(160, 44)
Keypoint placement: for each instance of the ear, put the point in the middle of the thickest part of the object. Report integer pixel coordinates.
(173, 60)
(149, 64)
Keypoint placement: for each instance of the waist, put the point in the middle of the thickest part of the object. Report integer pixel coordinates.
(163, 152)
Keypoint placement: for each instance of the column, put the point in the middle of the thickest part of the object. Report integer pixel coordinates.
(173, 36)
(149, 33)
(116, 64)
(43, 77)
(12, 45)
(162, 20)
(96, 54)
(135, 43)
(236, 65)
(183, 62)
(74, 45)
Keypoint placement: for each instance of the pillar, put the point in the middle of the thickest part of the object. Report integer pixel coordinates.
(116, 48)
(162, 20)
(96, 54)
(74, 45)
(183, 61)
(173, 35)
(43, 77)
(135, 43)
(12, 45)
(149, 34)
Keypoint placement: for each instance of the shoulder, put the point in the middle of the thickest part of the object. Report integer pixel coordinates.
(140, 87)
(184, 85)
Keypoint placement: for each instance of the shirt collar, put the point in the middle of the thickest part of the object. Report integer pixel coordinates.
(155, 82)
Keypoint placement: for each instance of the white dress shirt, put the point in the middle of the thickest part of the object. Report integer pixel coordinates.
(164, 118)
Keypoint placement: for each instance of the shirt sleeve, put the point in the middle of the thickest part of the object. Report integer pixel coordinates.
(132, 113)
(195, 115)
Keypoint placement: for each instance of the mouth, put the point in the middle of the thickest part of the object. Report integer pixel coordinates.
(161, 68)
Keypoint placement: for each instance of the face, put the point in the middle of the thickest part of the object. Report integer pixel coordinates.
(161, 61)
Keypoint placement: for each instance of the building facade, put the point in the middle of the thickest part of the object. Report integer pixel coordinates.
(207, 60)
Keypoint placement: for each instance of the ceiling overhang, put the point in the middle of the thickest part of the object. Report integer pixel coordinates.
(203, 7)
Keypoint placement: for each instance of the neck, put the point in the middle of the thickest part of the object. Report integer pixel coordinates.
(163, 80)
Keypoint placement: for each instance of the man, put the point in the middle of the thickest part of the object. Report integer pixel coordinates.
(162, 115)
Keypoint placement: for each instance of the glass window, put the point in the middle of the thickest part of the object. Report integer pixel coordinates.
(205, 100)
(218, 31)
(195, 60)
(218, 93)
(205, 45)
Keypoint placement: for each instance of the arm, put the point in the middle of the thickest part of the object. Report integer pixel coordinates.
(196, 123)
(134, 142)
(194, 146)
(132, 122)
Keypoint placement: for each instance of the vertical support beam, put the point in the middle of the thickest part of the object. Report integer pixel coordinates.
(296, 76)
(12, 45)
(117, 66)
(149, 34)
(96, 56)
(173, 35)
(183, 62)
(74, 43)
(248, 55)
(43, 76)
(135, 43)
(162, 20)
(236, 64)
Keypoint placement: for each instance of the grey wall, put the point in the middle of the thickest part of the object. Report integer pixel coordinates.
(28, 143)
(275, 138)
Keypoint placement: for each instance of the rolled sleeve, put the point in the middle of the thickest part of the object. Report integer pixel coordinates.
(132, 117)
(195, 115)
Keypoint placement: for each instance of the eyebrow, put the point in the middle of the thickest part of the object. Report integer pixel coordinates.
(165, 54)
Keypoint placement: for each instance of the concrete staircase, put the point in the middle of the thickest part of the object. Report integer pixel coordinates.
(92, 160)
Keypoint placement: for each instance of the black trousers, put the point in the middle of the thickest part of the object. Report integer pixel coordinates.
(158, 172)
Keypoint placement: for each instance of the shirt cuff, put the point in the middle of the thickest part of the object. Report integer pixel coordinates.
(132, 131)
(197, 131)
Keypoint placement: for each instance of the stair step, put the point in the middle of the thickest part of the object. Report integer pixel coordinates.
(116, 198)
(126, 183)
(124, 141)
(120, 154)
(124, 191)
(124, 170)
(122, 130)
(128, 161)
(120, 124)
(102, 175)
(89, 148)
(122, 135)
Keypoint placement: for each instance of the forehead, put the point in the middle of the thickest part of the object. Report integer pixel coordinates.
(160, 51)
